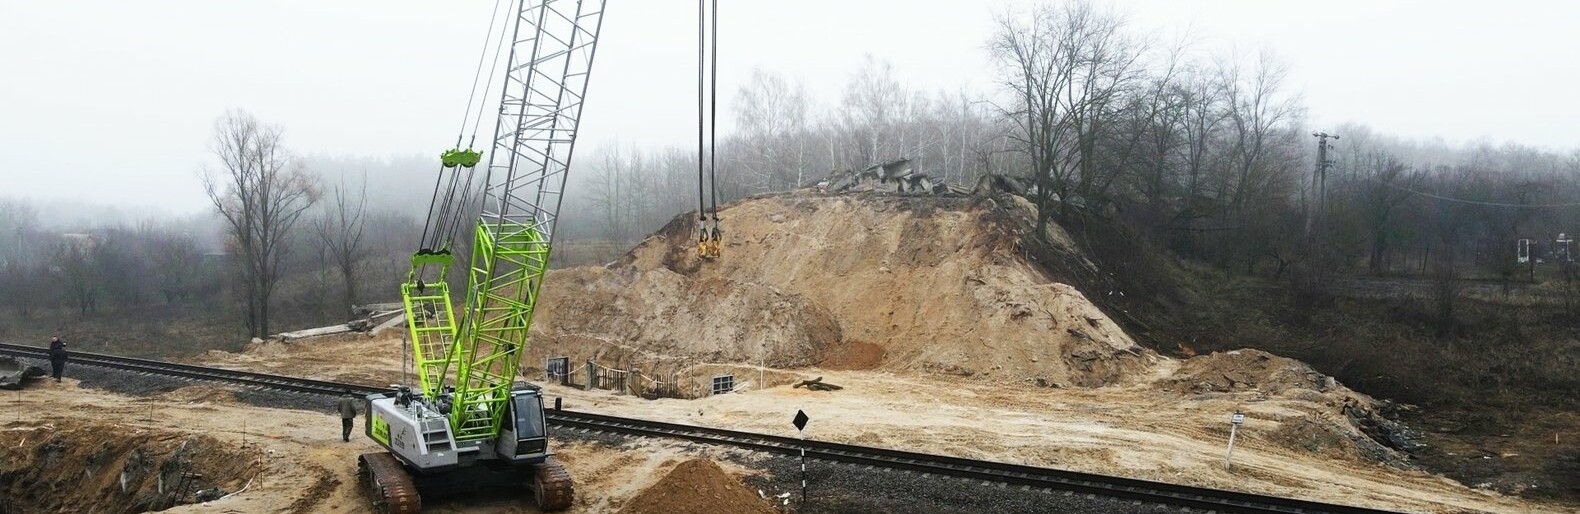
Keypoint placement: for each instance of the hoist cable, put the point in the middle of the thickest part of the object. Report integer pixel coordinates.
(488, 37)
(438, 226)
(702, 44)
(713, 124)
(427, 221)
(499, 47)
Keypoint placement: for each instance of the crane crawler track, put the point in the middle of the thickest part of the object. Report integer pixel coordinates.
(1204, 499)
(387, 484)
(551, 486)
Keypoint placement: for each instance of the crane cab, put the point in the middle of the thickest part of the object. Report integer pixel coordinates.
(524, 438)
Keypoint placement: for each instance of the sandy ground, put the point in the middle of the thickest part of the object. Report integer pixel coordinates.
(1135, 430)
(308, 468)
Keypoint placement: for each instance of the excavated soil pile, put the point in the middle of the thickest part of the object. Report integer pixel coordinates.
(847, 281)
(94, 467)
(1324, 417)
(698, 486)
(1243, 370)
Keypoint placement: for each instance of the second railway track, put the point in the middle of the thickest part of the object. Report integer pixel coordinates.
(1197, 498)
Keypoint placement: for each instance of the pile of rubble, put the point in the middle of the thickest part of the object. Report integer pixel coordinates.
(13, 373)
(897, 175)
(371, 319)
(900, 176)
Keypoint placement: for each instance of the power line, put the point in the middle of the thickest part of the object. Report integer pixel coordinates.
(1475, 202)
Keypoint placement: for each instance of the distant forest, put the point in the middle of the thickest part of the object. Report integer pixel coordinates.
(1210, 155)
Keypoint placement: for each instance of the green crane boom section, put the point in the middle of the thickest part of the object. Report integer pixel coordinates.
(478, 355)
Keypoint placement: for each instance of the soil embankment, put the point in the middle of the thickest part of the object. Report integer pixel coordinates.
(894, 283)
(86, 466)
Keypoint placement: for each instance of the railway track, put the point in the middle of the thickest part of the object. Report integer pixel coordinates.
(1197, 498)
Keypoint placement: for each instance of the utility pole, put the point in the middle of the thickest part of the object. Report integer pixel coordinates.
(1317, 208)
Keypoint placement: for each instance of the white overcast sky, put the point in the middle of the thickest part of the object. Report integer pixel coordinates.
(113, 101)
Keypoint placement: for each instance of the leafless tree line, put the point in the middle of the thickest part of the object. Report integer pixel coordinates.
(279, 243)
(1208, 153)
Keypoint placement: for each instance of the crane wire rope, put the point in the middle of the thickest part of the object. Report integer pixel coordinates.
(713, 124)
(702, 197)
(464, 206)
(439, 229)
(488, 37)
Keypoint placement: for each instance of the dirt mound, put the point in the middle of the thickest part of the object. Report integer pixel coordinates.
(1242, 370)
(92, 467)
(935, 284)
(698, 486)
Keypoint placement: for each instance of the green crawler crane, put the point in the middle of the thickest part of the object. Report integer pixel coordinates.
(468, 424)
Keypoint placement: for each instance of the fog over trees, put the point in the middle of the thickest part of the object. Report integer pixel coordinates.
(1209, 153)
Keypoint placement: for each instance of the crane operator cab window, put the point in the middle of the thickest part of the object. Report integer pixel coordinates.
(528, 410)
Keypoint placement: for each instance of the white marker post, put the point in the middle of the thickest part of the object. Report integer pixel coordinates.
(1234, 426)
(800, 428)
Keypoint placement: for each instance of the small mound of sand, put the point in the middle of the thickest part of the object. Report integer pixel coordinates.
(1242, 370)
(697, 486)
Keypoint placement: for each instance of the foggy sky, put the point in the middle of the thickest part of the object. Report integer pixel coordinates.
(113, 102)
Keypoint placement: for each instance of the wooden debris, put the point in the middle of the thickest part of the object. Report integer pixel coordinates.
(817, 384)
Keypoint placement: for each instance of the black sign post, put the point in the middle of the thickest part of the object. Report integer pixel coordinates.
(800, 428)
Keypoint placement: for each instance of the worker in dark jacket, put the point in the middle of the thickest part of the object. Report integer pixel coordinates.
(57, 357)
(348, 411)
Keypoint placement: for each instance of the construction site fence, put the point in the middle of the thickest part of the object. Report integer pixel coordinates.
(632, 381)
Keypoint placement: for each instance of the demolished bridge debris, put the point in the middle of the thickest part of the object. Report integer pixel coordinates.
(13, 373)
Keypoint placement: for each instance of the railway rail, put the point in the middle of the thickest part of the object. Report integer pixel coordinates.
(1197, 498)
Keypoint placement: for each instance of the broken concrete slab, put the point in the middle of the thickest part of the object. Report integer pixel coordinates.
(14, 373)
(315, 332)
(393, 322)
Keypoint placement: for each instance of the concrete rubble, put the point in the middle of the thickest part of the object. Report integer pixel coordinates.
(372, 319)
(898, 174)
(13, 373)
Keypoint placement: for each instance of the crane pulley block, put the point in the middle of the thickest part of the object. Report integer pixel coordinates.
(420, 259)
(456, 157)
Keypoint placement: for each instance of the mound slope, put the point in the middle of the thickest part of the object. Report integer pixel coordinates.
(936, 284)
(697, 486)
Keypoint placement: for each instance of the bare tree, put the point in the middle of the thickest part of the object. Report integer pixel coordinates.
(874, 102)
(771, 115)
(19, 265)
(175, 259)
(611, 194)
(78, 274)
(1387, 186)
(1028, 50)
(1259, 127)
(261, 191)
(1070, 69)
(340, 229)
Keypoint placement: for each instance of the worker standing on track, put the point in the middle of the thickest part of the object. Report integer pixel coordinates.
(348, 411)
(57, 357)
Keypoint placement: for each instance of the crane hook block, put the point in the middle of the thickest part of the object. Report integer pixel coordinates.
(463, 158)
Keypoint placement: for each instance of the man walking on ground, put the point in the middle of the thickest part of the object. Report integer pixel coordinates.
(57, 357)
(348, 411)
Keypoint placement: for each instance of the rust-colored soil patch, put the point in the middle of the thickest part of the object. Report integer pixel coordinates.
(698, 486)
